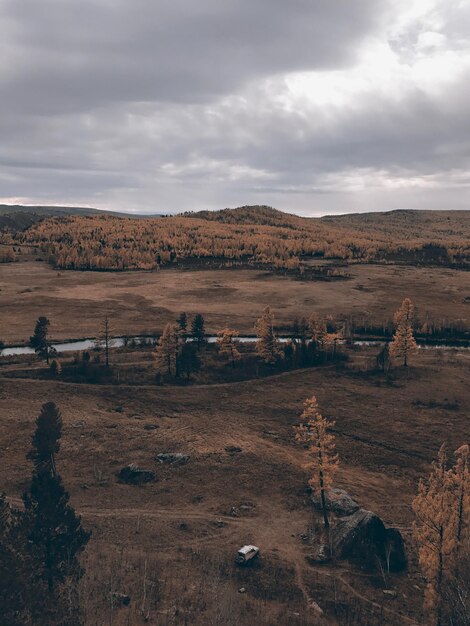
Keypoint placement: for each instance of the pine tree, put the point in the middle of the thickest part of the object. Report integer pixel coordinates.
(434, 532)
(46, 439)
(403, 343)
(168, 349)
(54, 532)
(227, 345)
(461, 480)
(198, 332)
(40, 340)
(267, 345)
(183, 322)
(189, 360)
(314, 431)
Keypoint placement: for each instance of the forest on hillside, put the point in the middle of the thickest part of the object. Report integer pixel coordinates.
(249, 235)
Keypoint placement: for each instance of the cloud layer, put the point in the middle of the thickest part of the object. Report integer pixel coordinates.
(309, 106)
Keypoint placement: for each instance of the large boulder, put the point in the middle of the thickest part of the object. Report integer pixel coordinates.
(173, 458)
(363, 536)
(133, 475)
(338, 501)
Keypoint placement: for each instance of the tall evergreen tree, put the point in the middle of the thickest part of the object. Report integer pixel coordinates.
(45, 442)
(55, 530)
(189, 361)
(267, 345)
(40, 339)
(403, 343)
(198, 332)
(183, 322)
(314, 431)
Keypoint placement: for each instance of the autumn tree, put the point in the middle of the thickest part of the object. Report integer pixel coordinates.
(167, 350)
(16, 588)
(461, 480)
(403, 343)
(434, 532)
(198, 332)
(314, 432)
(318, 329)
(267, 345)
(227, 345)
(40, 339)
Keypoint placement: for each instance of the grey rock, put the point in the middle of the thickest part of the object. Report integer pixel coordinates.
(338, 501)
(133, 475)
(363, 535)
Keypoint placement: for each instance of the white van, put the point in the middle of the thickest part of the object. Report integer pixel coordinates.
(247, 553)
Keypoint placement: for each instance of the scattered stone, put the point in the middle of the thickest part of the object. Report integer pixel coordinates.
(173, 458)
(242, 590)
(338, 501)
(151, 427)
(321, 555)
(390, 592)
(233, 449)
(246, 507)
(315, 607)
(133, 475)
(363, 535)
(120, 599)
(119, 409)
(220, 523)
(233, 511)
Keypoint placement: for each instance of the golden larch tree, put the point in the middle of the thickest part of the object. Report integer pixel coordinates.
(461, 479)
(267, 345)
(434, 532)
(314, 431)
(227, 345)
(167, 350)
(403, 343)
(318, 329)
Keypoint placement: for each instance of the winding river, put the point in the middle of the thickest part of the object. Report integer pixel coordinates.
(118, 342)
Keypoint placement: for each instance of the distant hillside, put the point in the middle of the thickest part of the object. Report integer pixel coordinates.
(18, 217)
(402, 222)
(257, 214)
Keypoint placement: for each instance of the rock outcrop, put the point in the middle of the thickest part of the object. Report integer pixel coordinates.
(363, 536)
(337, 501)
(133, 475)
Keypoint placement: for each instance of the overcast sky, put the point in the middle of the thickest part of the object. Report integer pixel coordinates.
(311, 106)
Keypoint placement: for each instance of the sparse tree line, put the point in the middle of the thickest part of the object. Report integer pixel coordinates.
(177, 353)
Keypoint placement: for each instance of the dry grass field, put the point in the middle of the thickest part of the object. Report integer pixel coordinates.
(170, 545)
(143, 302)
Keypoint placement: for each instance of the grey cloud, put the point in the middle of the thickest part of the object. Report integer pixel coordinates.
(173, 106)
